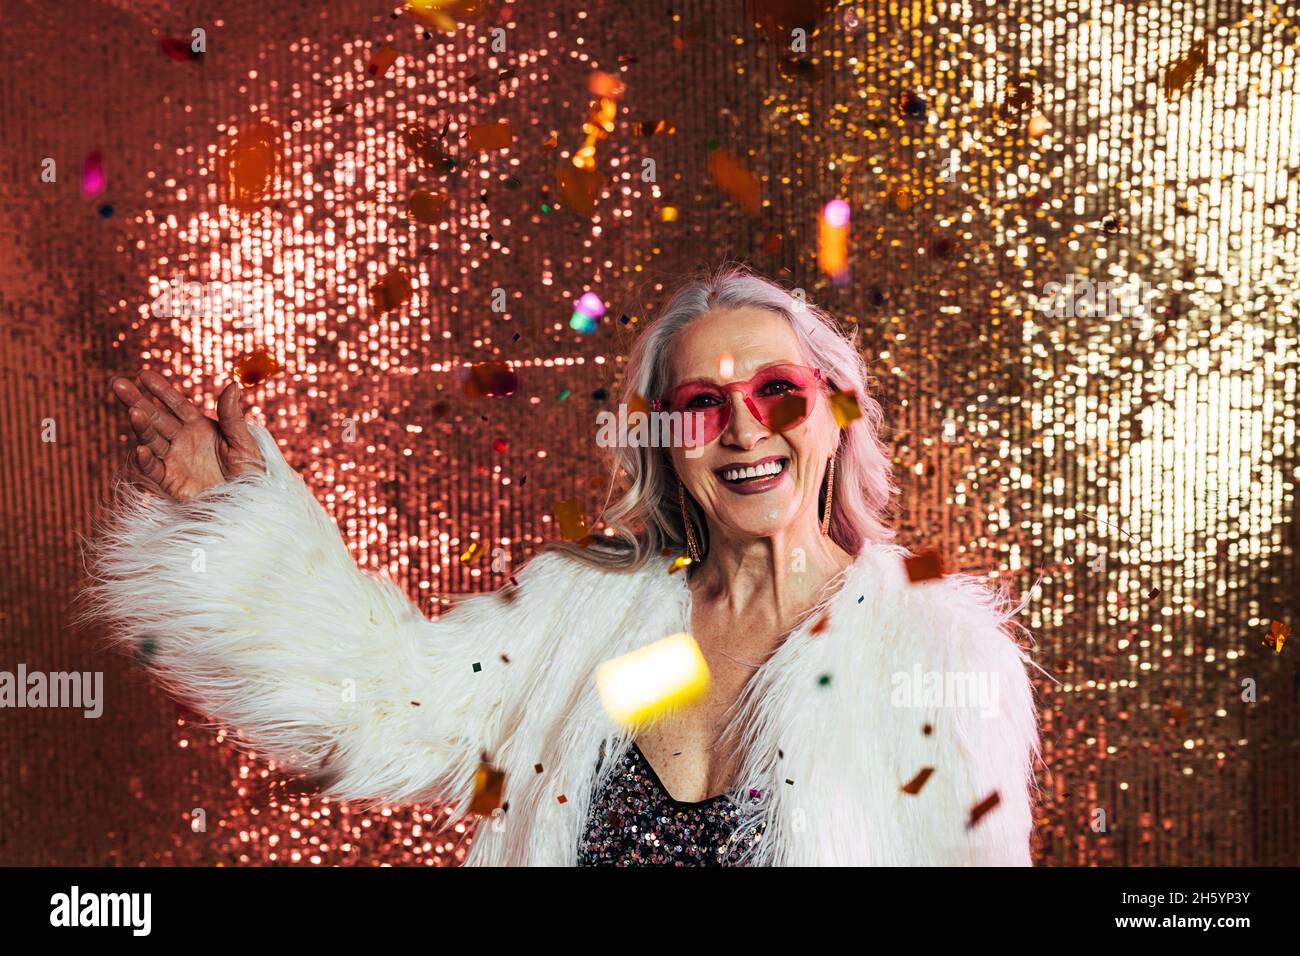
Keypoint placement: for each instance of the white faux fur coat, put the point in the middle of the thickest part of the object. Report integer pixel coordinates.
(246, 603)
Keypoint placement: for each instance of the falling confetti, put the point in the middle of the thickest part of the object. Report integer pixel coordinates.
(845, 407)
(914, 785)
(427, 207)
(925, 566)
(1278, 632)
(984, 806)
(1183, 70)
(488, 380)
(490, 137)
(640, 686)
(391, 292)
(573, 525)
(93, 179)
(251, 164)
(734, 179)
(382, 61)
(489, 785)
(254, 368)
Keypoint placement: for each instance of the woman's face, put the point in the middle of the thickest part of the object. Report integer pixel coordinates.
(756, 507)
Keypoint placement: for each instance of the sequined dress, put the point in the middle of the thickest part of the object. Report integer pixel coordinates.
(634, 822)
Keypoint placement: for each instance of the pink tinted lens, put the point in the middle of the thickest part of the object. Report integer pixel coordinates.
(783, 395)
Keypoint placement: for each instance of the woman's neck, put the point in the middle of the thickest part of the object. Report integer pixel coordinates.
(780, 576)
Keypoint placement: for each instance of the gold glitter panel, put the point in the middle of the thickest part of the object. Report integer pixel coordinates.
(1069, 259)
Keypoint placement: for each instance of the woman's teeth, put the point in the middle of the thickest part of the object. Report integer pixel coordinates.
(754, 471)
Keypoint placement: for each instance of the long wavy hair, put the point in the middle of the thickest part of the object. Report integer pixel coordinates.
(646, 520)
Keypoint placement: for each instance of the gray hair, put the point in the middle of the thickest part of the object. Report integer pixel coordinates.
(863, 473)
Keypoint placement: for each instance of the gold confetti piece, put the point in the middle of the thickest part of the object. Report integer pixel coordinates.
(786, 410)
(489, 784)
(925, 566)
(473, 551)
(983, 807)
(678, 564)
(1038, 125)
(551, 142)
(668, 214)
(382, 61)
(640, 686)
(903, 197)
(254, 368)
(427, 207)
(846, 408)
(734, 179)
(914, 785)
(1278, 632)
(1183, 70)
(573, 525)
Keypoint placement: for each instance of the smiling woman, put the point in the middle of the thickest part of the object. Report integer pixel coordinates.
(798, 753)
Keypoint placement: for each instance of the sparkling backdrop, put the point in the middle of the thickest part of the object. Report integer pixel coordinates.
(1131, 468)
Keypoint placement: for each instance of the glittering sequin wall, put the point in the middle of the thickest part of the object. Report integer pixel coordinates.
(350, 206)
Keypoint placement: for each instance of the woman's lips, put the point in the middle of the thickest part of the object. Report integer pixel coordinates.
(755, 486)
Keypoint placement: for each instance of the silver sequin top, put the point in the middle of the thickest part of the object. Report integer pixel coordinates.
(634, 822)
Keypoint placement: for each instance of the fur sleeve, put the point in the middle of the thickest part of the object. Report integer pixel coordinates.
(246, 603)
(993, 734)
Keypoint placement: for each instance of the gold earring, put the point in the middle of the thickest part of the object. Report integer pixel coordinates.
(692, 546)
(830, 491)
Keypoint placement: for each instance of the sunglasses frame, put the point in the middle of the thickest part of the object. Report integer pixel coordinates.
(659, 404)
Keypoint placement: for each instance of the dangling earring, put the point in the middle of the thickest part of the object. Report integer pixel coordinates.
(830, 492)
(692, 546)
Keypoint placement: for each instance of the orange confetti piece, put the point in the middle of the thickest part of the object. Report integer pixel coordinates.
(914, 785)
(489, 785)
(427, 207)
(787, 409)
(734, 179)
(489, 380)
(1278, 632)
(678, 564)
(846, 408)
(925, 566)
(251, 166)
(578, 187)
(1183, 70)
(392, 291)
(605, 84)
(551, 142)
(822, 623)
(427, 149)
(382, 61)
(983, 807)
(903, 197)
(490, 136)
(573, 525)
(254, 368)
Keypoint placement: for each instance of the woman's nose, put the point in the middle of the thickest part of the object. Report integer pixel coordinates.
(744, 430)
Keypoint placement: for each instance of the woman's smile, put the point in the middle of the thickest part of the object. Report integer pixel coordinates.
(754, 477)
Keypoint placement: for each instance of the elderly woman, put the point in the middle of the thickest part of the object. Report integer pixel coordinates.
(830, 732)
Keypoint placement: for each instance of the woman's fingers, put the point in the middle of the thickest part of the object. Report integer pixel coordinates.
(150, 467)
(146, 431)
(234, 427)
(175, 402)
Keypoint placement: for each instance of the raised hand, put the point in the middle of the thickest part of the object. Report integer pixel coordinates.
(180, 451)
